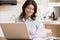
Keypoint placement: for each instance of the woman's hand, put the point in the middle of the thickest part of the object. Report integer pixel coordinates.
(48, 34)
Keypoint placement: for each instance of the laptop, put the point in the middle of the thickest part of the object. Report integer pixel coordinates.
(15, 30)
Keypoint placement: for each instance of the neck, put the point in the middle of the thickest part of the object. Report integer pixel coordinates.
(26, 17)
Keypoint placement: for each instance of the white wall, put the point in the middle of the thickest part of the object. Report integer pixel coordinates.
(10, 12)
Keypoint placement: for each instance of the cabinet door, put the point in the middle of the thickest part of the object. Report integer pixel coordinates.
(59, 30)
(54, 28)
(54, 0)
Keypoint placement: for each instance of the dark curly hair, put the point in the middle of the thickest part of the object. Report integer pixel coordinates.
(28, 2)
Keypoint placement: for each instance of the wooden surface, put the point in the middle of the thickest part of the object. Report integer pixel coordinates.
(55, 29)
(54, 0)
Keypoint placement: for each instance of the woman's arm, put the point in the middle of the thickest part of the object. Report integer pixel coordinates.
(41, 31)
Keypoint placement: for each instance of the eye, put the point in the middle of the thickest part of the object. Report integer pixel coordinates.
(29, 8)
(32, 9)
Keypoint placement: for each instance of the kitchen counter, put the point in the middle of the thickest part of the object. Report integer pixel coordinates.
(52, 22)
(54, 26)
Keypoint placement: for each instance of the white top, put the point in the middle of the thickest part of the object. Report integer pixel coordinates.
(32, 25)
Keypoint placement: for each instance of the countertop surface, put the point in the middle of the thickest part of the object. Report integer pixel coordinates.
(52, 22)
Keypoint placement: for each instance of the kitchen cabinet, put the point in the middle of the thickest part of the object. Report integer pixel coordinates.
(55, 27)
(54, 0)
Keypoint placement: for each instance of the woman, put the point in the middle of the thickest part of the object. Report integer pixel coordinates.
(28, 15)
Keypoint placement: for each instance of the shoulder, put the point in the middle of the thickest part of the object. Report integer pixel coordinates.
(18, 20)
(38, 18)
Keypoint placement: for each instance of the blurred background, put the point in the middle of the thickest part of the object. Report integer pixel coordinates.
(45, 8)
(48, 11)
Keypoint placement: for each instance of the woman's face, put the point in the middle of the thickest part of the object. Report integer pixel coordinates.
(29, 10)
